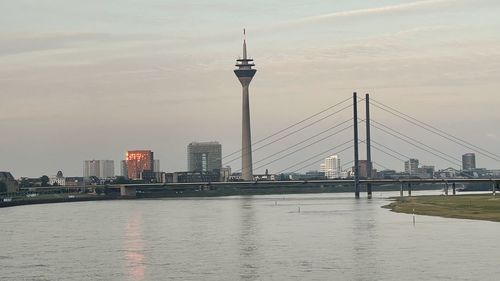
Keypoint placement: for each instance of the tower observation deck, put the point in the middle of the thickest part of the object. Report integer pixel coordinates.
(245, 73)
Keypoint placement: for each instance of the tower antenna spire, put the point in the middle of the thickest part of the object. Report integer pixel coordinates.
(244, 44)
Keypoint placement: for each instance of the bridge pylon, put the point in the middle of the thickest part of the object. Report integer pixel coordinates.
(356, 152)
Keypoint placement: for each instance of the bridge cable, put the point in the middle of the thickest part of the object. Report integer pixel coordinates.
(378, 144)
(291, 133)
(341, 166)
(303, 141)
(387, 153)
(291, 126)
(315, 162)
(435, 153)
(417, 146)
(304, 147)
(439, 132)
(346, 164)
(319, 154)
(382, 166)
(437, 129)
(297, 150)
(390, 149)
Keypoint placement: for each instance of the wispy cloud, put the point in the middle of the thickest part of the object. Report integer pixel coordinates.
(373, 11)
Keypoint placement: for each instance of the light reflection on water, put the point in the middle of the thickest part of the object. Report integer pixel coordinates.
(134, 248)
(333, 237)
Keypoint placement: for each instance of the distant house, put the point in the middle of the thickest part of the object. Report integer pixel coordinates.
(10, 182)
(74, 181)
(57, 179)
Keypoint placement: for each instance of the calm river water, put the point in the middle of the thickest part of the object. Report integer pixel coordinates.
(333, 237)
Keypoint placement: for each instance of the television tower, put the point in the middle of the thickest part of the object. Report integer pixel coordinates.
(245, 73)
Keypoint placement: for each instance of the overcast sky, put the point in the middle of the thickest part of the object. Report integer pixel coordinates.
(91, 79)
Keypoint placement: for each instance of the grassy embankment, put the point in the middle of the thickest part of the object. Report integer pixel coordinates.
(477, 207)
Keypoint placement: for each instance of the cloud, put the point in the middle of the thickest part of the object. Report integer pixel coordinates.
(372, 11)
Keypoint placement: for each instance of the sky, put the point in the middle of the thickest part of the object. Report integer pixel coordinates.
(91, 79)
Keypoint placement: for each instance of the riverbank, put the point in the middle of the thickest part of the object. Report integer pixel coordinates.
(55, 198)
(476, 207)
(201, 191)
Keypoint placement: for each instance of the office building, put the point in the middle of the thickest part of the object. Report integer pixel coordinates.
(411, 166)
(363, 169)
(331, 167)
(204, 157)
(139, 161)
(426, 172)
(103, 169)
(156, 166)
(9, 181)
(123, 169)
(225, 173)
(468, 161)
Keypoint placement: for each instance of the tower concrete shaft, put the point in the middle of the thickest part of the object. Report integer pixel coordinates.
(245, 73)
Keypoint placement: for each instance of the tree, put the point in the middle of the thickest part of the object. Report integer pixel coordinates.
(99, 190)
(3, 187)
(45, 180)
(25, 183)
(121, 180)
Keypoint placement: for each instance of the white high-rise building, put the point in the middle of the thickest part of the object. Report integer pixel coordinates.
(332, 167)
(156, 165)
(107, 169)
(322, 168)
(99, 168)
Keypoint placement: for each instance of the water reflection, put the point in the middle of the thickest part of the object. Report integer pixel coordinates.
(364, 236)
(248, 241)
(134, 248)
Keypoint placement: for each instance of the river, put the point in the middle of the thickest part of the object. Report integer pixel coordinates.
(271, 237)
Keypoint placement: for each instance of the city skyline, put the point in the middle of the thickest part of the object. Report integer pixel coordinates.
(80, 79)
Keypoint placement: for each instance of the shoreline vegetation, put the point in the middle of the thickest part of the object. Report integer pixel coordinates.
(470, 206)
(220, 191)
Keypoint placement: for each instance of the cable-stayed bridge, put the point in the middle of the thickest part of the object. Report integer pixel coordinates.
(295, 147)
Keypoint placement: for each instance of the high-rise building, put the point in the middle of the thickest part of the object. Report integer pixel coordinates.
(468, 161)
(332, 167)
(204, 156)
(245, 73)
(107, 169)
(139, 161)
(363, 169)
(411, 166)
(103, 169)
(123, 169)
(156, 166)
(322, 168)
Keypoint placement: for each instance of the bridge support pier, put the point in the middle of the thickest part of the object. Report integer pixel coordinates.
(454, 189)
(409, 189)
(494, 189)
(128, 191)
(401, 189)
